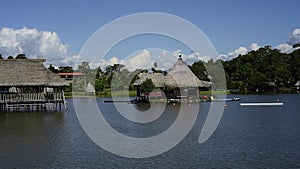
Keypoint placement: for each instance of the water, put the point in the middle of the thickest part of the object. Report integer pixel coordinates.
(247, 137)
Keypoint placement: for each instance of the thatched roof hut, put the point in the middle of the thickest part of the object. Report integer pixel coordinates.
(28, 72)
(158, 79)
(90, 88)
(179, 76)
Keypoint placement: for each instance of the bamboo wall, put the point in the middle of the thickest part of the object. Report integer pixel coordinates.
(28, 102)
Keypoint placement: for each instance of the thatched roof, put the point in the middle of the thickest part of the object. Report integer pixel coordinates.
(158, 79)
(179, 76)
(27, 72)
(90, 88)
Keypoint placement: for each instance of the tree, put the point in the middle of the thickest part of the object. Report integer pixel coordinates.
(155, 65)
(1, 56)
(101, 83)
(295, 65)
(264, 69)
(296, 45)
(110, 71)
(21, 56)
(99, 72)
(10, 57)
(65, 69)
(52, 68)
(199, 70)
(147, 86)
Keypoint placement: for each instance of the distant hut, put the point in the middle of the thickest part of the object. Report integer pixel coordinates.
(27, 85)
(297, 85)
(90, 90)
(179, 82)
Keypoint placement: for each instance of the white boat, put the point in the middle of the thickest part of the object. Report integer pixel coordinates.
(262, 104)
(226, 100)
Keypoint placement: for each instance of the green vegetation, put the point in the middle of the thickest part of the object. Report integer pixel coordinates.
(104, 93)
(21, 56)
(263, 70)
(147, 86)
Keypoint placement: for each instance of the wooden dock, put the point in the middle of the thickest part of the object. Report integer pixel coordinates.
(32, 102)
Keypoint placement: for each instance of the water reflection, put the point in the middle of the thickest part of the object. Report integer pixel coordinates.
(247, 137)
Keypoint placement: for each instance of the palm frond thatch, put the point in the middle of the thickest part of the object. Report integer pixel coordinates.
(179, 76)
(27, 72)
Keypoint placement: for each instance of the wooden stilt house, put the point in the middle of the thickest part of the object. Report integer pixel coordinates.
(27, 85)
(179, 83)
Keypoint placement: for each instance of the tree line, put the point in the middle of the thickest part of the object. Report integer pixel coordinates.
(19, 56)
(263, 70)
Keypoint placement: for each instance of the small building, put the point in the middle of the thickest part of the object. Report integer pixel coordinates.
(179, 83)
(297, 85)
(90, 90)
(70, 75)
(27, 85)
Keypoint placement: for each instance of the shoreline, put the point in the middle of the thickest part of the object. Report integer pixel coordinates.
(69, 95)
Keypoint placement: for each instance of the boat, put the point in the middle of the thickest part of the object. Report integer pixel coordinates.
(225, 100)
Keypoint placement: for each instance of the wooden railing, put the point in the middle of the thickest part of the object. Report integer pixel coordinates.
(56, 96)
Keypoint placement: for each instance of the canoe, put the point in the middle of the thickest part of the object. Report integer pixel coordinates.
(226, 100)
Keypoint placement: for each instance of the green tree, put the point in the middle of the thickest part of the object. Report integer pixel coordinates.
(296, 45)
(65, 69)
(295, 65)
(147, 86)
(10, 57)
(199, 70)
(155, 65)
(264, 69)
(21, 56)
(52, 68)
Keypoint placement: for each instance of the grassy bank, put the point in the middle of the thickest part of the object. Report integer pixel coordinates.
(132, 93)
(105, 93)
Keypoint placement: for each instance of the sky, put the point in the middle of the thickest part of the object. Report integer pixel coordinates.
(58, 30)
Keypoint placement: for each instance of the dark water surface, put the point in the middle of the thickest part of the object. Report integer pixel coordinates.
(247, 137)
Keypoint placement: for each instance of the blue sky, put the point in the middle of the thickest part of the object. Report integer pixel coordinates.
(228, 24)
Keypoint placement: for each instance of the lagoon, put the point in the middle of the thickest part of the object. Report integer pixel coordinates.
(246, 137)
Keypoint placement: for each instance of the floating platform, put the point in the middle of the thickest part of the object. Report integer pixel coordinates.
(262, 104)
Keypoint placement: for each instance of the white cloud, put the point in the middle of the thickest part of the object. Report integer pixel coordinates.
(239, 51)
(70, 60)
(254, 46)
(35, 44)
(294, 36)
(146, 58)
(223, 57)
(140, 60)
(285, 48)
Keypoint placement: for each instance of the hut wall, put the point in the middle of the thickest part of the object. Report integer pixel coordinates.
(32, 101)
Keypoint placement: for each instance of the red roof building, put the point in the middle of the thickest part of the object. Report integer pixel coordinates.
(70, 75)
